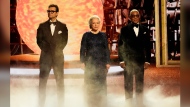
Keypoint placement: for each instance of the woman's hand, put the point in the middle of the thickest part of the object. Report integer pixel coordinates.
(82, 65)
(107, 66)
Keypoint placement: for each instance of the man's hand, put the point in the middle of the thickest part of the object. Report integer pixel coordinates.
(107, 67)
(122, 64)
(146, 64)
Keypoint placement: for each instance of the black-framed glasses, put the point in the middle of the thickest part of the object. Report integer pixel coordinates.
(135, 16)
(50, 11)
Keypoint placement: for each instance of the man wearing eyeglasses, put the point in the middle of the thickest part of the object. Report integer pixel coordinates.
(134, 55)
(52, 37)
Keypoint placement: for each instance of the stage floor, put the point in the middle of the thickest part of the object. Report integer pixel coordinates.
(27, 65)
(35, 58)
(162, 89)
(161, 85)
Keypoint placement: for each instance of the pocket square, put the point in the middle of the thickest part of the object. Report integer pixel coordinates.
(144, 32)
(59, 32)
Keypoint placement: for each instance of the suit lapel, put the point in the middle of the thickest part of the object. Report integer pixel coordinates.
(131, 29)
(48, 28)
(140, 30)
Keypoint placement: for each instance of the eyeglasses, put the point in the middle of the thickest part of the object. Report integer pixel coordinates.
(135, 16)
(50, 11)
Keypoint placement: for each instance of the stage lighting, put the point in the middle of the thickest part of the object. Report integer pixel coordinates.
(75, 13)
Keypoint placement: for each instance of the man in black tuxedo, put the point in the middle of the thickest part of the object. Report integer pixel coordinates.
(134, 53)
(52, 37)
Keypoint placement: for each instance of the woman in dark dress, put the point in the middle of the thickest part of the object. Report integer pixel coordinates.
(95, 56)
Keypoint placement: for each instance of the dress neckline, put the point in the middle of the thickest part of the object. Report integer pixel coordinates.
(95, 33)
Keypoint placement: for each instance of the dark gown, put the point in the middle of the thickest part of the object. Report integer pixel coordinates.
(94, 53)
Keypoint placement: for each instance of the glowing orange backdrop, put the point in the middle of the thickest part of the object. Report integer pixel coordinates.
(75, 13)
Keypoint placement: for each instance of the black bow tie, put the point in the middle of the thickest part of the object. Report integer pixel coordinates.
(135, 25)
(54, 23)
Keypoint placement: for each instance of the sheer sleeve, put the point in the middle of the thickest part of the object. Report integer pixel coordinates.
(107, 49)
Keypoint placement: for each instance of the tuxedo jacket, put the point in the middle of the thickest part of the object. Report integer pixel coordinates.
(52, 45)
(132, 47)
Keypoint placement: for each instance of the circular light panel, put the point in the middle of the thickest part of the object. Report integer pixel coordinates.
(74, 13)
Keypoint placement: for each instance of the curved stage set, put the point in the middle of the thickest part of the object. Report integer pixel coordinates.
(162, 85)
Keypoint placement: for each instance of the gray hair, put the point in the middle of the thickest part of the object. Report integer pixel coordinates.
(93, 17)
(133, 10)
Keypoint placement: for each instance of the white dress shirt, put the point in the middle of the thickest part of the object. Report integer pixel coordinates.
(52, 27)
(136, 30)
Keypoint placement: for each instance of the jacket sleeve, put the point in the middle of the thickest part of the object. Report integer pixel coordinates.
(65, 37)
(83, 48)
(40, 41)
(120, 47)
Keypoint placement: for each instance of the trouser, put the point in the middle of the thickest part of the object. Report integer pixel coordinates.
(44, 74)
(133, 69)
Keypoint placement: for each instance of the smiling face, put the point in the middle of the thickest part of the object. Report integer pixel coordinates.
(135, 16)
(95, 24)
